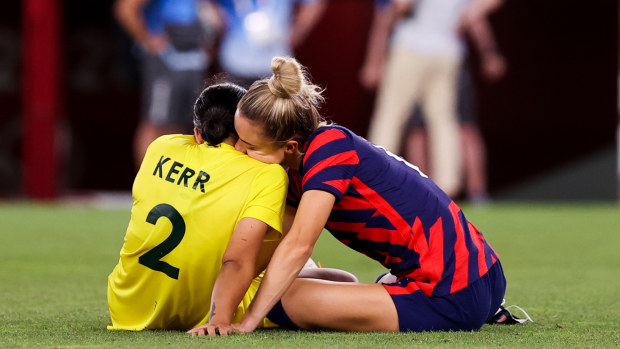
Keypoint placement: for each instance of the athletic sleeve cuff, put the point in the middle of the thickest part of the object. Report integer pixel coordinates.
(269, 217)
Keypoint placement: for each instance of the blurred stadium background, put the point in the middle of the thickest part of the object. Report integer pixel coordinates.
(69, 98)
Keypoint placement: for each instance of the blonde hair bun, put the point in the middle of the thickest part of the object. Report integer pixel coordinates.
(287, 103)
(287, 79)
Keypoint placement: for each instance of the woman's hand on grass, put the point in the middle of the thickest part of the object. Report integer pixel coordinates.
(212, 330)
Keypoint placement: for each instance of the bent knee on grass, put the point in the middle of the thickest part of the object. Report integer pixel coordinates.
(327, 274)
(319, 304)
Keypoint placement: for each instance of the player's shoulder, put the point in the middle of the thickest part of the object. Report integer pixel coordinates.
(333, 128)
(169, 144)
(261, 175)
(253, 167)
(273, 171)
(331, 132)
(329, 139)
(173, 140)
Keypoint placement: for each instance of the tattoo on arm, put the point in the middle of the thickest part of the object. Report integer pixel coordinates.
(212, 313)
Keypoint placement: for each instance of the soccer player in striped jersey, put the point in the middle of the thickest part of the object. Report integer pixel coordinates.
(447, 275)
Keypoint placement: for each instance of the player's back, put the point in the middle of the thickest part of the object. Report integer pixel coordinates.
(390, 211)
(188, 199)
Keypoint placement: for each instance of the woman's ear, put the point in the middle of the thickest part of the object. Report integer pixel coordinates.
(198, 137)
(290, 147)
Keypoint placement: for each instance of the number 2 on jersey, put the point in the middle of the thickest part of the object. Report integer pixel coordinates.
(152, 258)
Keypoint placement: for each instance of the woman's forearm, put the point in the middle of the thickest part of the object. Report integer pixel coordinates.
(230, 286)
(291, 255)
(284, 267)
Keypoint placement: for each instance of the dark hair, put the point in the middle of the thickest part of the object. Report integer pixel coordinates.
(214, 112)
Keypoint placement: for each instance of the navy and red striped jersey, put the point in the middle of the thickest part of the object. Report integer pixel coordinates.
(393, 213)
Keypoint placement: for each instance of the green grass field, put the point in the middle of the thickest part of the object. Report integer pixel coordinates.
(561, 262)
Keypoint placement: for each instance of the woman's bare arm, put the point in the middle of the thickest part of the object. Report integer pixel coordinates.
(234, 279)
(290, 256)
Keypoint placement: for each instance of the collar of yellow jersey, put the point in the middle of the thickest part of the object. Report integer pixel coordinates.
(226, 146)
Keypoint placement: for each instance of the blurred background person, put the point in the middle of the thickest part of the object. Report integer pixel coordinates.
(258, 30)
(475, 25)
(519, 115)
(172, 42)
(420, 67)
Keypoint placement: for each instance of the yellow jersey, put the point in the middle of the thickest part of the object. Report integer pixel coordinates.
(188, 198)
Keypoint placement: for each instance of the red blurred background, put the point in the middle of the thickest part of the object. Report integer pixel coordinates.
(557, 104)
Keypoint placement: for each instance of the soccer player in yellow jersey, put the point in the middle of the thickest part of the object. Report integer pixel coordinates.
(204, 223)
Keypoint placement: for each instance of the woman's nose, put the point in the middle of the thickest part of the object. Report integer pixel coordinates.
(240, 147)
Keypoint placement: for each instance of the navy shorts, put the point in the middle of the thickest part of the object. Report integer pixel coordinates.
(279, 317)
(464, 310)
